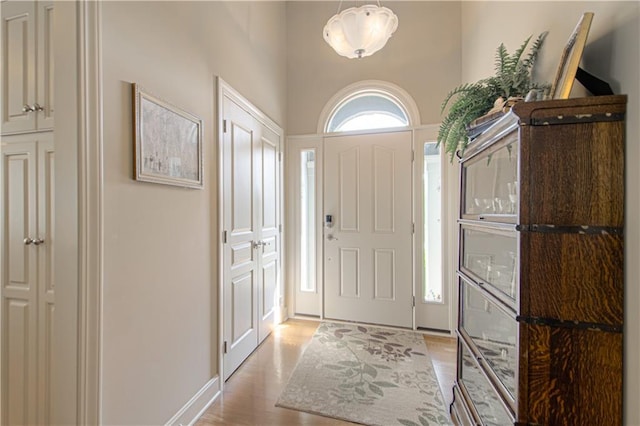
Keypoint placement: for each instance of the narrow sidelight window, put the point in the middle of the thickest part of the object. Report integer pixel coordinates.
(432, 196)
(308, 220)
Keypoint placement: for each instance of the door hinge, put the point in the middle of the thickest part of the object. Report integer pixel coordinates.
(224, 237)
(413, 302)
(280, 228)
(224, 126)
(279, 155)
(413, 156)
(413, 228)
(224, 347)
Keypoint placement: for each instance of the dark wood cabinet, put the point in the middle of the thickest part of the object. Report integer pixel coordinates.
(540, 271)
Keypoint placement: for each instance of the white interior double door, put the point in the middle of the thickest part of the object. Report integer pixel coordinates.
(250, 227)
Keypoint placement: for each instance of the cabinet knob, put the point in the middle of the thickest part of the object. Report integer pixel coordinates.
(32, 108)
(35, 241)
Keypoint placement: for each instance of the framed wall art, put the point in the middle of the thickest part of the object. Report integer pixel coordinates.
(168, 142)
(570, 59)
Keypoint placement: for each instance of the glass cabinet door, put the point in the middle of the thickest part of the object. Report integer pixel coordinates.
(493, 332)
(488, 256)
(486, 401)
(490, 183)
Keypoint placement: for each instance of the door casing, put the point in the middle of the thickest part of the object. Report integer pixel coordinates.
(425, 313)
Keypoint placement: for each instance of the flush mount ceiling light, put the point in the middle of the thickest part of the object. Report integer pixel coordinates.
(360, 31)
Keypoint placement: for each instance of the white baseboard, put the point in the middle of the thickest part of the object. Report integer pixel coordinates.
(196, 406)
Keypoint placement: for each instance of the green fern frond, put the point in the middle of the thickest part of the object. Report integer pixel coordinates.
(515, 59)
(501, 60)
(472, 100)
(535, 49)
(467, 87)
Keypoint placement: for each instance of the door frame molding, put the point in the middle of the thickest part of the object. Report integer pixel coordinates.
(223, 89)
(449, 227)
(91, 225)
(79, 228)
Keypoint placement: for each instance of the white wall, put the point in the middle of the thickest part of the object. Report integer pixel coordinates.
(612, 53)
(422, 57)
(160, 242)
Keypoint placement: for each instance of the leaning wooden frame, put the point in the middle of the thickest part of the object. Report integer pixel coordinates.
(570, 59)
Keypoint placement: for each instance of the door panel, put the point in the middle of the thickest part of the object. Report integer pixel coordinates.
(383, 190)
(21, 375)
(242, 292)
(384, 278)
(241, 164)
(368, 249)
(349, 269)
(349, 190)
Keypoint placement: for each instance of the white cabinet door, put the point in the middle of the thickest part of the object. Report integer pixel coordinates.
(44, 93)
(19, 284)
(46, 285)
(27, 289)
(27, 66)
(18, 66)
(368, 248)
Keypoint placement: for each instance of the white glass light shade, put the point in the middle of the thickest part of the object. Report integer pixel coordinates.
(360, 31)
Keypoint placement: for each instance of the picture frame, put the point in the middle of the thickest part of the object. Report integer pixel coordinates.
(167, 142)
(570, 59)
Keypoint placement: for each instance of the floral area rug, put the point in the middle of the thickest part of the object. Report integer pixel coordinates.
(366, 375)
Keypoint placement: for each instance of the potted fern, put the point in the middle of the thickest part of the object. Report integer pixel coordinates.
(473, 100)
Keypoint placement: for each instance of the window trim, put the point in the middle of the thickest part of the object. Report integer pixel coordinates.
(390, 90)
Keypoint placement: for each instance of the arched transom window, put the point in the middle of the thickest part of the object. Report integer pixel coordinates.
(370, 110)
(368, 105)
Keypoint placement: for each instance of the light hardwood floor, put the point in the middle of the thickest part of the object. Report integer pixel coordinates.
(250, 394)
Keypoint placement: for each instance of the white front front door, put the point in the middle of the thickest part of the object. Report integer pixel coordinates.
(251, 237)
(368, 256)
